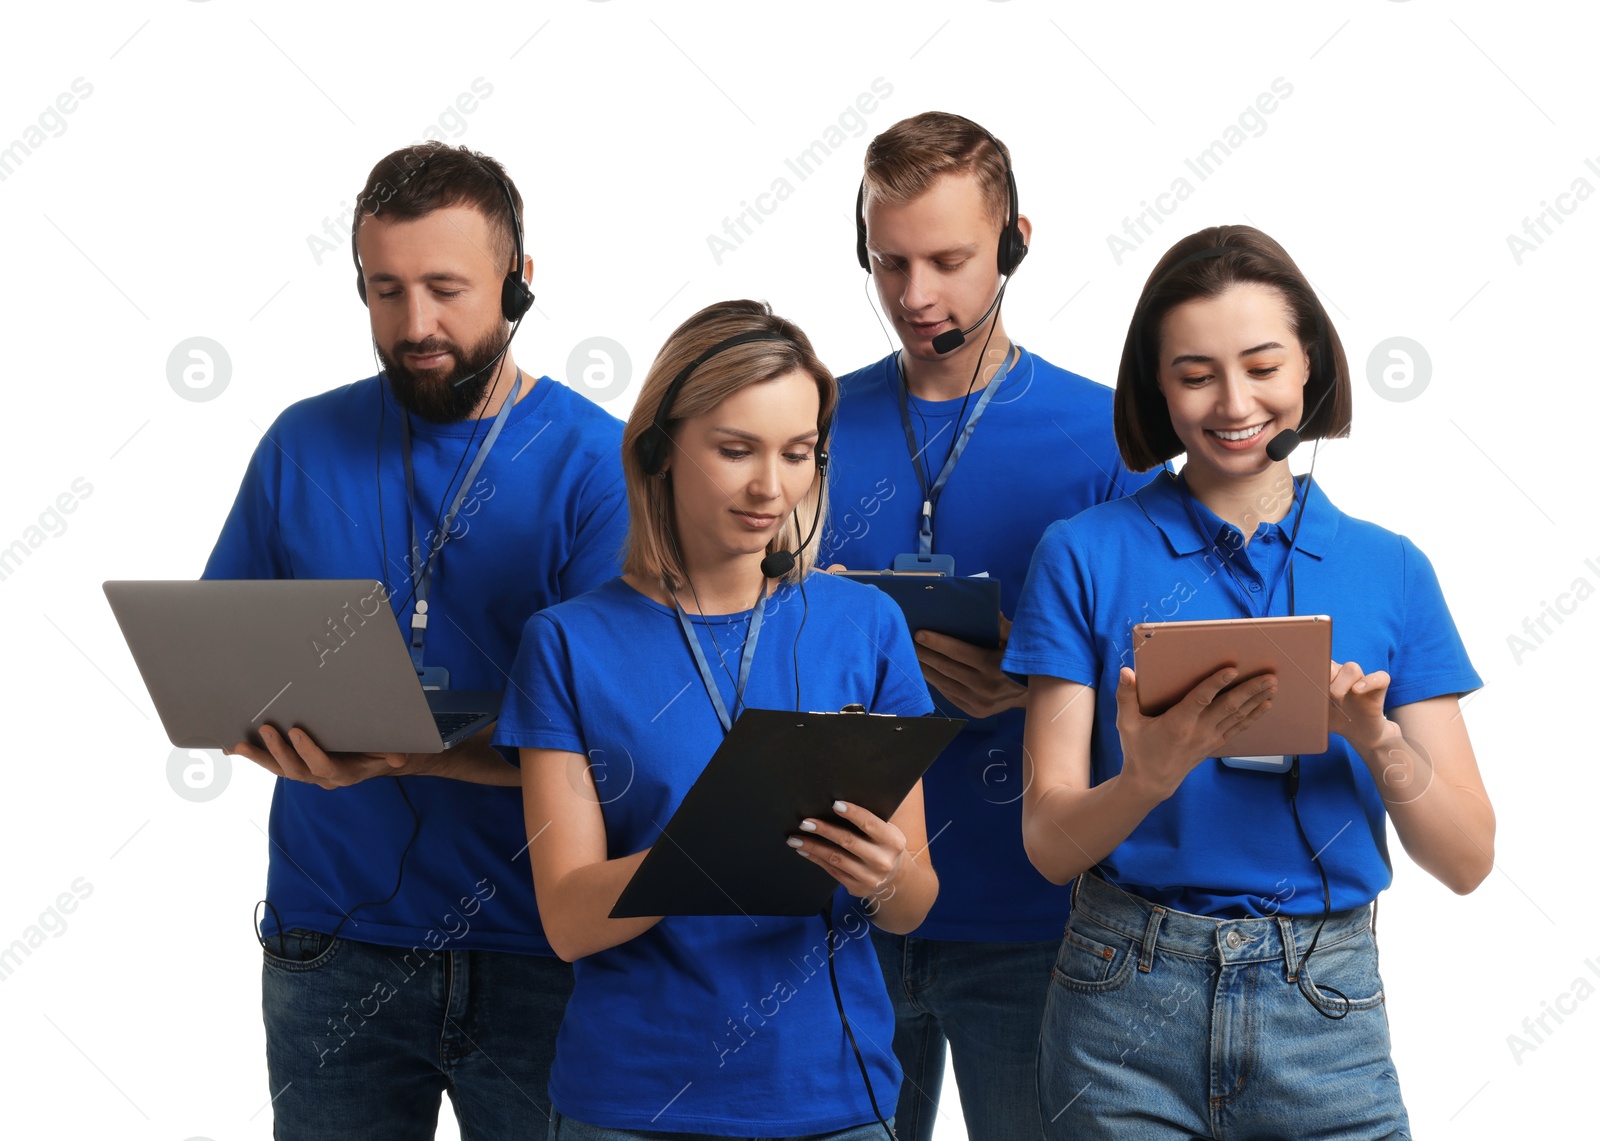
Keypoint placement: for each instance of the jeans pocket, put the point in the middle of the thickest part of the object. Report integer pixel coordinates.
(1343, 976)
(1092, 959)
(299, 950)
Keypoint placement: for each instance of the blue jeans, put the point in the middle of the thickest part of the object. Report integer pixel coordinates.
(566, 1129)
(362, 1039)
(1164, 1025)
(986, 1000)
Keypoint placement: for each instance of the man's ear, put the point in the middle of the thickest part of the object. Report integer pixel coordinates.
(1026, 227)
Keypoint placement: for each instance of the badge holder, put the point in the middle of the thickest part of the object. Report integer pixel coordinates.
(1272, 764)
(925, 564)
(431, 677)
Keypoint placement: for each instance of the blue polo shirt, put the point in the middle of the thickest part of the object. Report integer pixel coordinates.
(1225, 844)
(545, 520)
(1043, 451)
(711, 1024)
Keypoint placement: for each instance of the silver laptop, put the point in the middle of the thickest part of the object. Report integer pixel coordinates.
(222, 658)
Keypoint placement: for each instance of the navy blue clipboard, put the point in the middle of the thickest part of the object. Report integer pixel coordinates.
(964, 608)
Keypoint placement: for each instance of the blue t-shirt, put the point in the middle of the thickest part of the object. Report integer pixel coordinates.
(711, 1024)
(545, 520)
(1225, 844)
(1043, 451)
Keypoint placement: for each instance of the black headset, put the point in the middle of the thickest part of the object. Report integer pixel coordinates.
(655, 443)
(1013, 247)
(515, 296)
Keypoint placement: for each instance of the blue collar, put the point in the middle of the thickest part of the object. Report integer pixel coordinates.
(1162, 502)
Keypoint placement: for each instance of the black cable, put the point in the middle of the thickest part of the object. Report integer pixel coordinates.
(805, 612)
(276, 918)
(383, 534)
(1294, 793)
(838, 1000)
(1327, 907)
(400, 872)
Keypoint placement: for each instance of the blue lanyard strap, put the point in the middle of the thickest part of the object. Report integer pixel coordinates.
(745, 658)
(422, 569)
(931, 494)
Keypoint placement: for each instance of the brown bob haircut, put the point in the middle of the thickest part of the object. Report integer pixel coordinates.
(652, 551)
(1194, 268)
(429, 176)
(903, 162)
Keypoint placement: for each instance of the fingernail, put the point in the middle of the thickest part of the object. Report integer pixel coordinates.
(920, 638)
(808, 825)
(795, 842)
(840, 807)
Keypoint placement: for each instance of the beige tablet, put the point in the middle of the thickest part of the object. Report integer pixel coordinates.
(1171, 658)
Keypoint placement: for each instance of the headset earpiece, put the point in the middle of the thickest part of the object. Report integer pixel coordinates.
(861, 228)
(515, 297)
(1013, 247)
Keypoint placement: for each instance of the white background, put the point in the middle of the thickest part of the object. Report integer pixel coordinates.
(218, 136)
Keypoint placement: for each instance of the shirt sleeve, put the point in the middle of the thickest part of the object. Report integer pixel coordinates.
(597, 546)
(1430, 660)
(1053, 632)
(250, 545)
(540, 710)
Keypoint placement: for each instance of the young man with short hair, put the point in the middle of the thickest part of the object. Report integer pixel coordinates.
(964, 444)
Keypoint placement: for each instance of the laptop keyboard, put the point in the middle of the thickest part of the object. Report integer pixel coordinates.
(449, 723)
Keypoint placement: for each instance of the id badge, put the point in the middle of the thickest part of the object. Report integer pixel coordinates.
(1274, 764)
(434, 677)
(927, 564)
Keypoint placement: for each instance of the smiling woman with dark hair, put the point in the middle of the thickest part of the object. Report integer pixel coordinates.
(1218, 976)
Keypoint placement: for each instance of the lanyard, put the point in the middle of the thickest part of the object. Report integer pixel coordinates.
(422, 571)
(930, 495)
(1227, 561)
(745, 658)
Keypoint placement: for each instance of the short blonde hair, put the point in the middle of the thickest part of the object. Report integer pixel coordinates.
(652, 551)
(903, 162)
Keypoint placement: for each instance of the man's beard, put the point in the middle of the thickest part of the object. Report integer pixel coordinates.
(434, 395)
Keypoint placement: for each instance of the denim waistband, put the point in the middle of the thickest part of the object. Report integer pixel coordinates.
(1231, 942)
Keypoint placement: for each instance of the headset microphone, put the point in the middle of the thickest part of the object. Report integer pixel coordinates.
(493, 362)
(952, 339)
(1286, 441)
(780, 563)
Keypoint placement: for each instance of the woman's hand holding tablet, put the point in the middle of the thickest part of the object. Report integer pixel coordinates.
(1158, 752)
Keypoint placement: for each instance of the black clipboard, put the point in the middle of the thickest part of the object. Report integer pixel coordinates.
(964, 608)
(723, 851)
